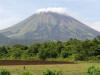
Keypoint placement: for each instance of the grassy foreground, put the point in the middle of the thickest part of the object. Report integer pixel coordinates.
(70, 69)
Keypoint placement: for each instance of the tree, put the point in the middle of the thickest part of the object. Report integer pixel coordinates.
(64, 53)
(33, 49)
(3, 52)
(97, 50)
(16, 53)
(43, 54)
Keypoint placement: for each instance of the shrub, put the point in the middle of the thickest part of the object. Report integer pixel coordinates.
(51, 72)
(43, 54)
(26, 73)
(98, 57)
(4, 72)
(64, 54)
(93, 71)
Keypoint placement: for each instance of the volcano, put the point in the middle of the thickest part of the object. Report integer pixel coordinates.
(48, 26)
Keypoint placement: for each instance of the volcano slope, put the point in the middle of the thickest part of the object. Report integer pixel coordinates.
(48, 26)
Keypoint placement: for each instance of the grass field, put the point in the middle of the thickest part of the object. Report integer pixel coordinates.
(70, 69)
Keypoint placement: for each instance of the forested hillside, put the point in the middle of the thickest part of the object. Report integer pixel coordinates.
(73, 49)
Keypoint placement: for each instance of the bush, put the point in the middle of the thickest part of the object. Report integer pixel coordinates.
(64, 54)
(4, 72)
(98, 57)
(26, 73)
(51, 72)
(43, 54)
(93, 71)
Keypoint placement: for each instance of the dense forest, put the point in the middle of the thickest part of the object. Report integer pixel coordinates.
(72, 49)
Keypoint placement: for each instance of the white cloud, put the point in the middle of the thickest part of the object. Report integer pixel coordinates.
(57, 10)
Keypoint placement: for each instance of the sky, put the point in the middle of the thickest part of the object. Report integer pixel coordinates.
(14, 11)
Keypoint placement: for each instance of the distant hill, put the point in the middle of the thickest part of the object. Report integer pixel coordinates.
(47, 26)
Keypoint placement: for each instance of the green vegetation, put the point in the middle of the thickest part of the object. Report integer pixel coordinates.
(93, 71)
(51, 72)
(4, 72)
(26, 73)
(89, 71)
(73, 49)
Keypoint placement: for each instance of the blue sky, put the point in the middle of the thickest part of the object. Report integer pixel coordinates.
(14, 11)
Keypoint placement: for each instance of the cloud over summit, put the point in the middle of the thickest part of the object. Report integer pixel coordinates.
(60, 10)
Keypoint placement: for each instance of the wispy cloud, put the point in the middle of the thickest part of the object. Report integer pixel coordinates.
(56, 9)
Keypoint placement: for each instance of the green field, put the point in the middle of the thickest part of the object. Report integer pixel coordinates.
(70, 69)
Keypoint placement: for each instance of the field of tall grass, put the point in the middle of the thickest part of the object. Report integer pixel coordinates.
(67, 69)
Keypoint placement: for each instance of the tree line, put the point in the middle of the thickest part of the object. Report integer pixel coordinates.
(72, 49)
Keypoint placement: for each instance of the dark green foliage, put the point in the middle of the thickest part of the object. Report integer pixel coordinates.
(64, 53)
(16, 53)
(4, 72)
(48, 50)
(93, 71)
(3, 51)
(33, 49)
(43, 54)
(51, 72)
(73, 49)
(26, 73)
